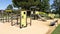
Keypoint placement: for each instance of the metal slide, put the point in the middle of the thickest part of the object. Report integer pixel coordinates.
(43, 19)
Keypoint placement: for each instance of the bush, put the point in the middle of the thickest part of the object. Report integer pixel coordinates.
(51, 15)
(56, 15)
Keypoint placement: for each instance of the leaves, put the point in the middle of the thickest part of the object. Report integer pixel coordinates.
(9, 7)
(42, 4)
(56, 6)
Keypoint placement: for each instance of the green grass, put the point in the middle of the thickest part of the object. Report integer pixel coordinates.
(57, 30)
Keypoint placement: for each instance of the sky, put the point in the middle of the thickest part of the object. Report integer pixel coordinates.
(5, 3)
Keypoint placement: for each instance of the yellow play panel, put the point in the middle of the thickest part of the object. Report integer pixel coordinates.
(23, 19)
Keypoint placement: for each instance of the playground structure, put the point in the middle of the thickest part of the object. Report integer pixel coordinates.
(20, 18)
(4, 16)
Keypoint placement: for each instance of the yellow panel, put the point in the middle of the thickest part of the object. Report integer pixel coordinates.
(23, 18)
(8, 10)
(51, 15)
(36, 12)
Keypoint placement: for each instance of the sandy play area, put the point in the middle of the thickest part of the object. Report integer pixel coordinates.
(37, 27)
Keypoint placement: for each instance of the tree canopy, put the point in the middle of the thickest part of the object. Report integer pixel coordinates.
(9, 7)
(56, 6)
(26, 4)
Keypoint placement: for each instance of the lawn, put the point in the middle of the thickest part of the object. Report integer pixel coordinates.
(57, 30)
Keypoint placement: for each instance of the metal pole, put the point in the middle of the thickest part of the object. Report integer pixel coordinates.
(17, 19)
(8, 17)
(11, 19)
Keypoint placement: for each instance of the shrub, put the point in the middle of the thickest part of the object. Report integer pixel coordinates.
(56, 15)
(51, 15)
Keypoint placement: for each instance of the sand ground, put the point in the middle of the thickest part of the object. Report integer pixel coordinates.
(37, 27)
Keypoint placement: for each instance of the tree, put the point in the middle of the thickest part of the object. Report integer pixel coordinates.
(56, 6)
(45, 5)
(26, 4)
(9, 7)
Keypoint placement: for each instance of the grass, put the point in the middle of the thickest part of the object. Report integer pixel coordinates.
(57, 30)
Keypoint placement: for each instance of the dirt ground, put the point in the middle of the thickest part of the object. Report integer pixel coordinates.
(37, 27)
